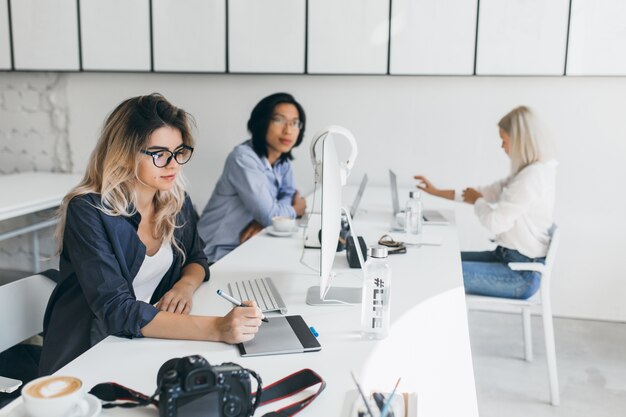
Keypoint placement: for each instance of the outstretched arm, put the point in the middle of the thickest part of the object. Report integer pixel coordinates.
(428, 187)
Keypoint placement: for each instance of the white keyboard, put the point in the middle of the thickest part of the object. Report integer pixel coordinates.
(261, 290)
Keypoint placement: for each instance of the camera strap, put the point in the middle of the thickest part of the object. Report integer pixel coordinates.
(116, 395)
(111, 393)
(291, 385)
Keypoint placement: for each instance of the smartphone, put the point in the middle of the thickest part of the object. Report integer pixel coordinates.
(9, 385)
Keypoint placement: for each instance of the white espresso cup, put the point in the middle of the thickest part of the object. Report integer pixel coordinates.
(283, 223)
(55, 396)
(400, 218)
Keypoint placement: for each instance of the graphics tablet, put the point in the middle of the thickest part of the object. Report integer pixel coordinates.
(287, 334)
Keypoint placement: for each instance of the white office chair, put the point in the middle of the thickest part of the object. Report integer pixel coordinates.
(22, 307)
(539, 302)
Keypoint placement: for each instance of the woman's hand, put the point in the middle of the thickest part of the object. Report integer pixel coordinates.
(251, 229)
(299, 204)
(426, 185)
(177, 300)
(470, 195)
(240, 324)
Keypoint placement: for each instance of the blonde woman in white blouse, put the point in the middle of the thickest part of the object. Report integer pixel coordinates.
(518, 210)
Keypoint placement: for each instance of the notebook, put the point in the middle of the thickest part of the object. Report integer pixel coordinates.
(431, 217)
(280, 335)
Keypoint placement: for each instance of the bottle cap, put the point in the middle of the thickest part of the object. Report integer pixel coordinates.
(378, 252)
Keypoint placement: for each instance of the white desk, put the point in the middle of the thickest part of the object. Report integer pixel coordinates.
(30, 192)
(428, 345)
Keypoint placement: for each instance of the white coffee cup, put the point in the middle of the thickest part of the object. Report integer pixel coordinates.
(400, 218)
(283, 223)
(55, 396)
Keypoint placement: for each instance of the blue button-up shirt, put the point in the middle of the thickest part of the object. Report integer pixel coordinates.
(248, 189)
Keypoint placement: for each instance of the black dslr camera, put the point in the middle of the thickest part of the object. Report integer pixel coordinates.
(191, 387)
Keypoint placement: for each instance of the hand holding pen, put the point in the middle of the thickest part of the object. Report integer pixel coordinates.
(235, 301)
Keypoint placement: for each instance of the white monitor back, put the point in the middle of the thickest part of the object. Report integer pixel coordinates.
(331, 212)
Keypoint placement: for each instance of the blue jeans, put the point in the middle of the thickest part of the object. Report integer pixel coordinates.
(487, 273)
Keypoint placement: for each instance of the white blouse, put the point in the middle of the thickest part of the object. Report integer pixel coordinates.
(151, 272)
(519, 209)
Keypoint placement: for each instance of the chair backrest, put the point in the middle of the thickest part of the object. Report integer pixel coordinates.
(555, 237)
(22, 307)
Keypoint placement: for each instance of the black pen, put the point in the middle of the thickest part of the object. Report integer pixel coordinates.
(235, 302)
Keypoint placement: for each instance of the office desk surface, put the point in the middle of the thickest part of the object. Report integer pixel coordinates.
(29, 192)
(428, 345)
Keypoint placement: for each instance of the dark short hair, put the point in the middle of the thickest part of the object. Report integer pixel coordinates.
(260, 120)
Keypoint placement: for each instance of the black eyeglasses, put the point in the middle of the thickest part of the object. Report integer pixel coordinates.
(163, 157)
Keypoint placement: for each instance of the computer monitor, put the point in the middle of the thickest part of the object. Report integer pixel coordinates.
(332, 180)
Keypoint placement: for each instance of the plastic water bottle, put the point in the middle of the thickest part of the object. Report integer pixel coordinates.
(375, 307)
(413, 214)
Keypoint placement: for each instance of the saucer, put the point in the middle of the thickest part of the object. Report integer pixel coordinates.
(95, 406)
(276, 233)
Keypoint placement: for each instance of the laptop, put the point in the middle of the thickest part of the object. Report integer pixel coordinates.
(359, 195)
(431, 217)
(314, 221)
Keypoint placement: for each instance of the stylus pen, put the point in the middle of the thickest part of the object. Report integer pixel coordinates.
(235, 302)
(367, 406)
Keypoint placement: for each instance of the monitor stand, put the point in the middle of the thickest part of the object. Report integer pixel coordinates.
(336, 296)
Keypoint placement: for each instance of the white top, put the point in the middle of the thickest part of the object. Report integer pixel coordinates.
(519, 209)
(151, 272)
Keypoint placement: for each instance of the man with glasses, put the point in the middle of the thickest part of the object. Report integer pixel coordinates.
(257, 182)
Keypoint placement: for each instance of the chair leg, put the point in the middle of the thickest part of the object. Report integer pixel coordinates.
(528, 338)
(548, 329)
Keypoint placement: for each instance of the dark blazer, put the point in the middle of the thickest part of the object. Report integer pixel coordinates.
(100, 258)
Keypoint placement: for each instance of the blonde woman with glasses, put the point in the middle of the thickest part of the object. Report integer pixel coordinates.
(130, 255)
(518, 210)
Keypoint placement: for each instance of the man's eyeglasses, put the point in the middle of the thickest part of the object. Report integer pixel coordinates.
(282, 122)
(163, 157)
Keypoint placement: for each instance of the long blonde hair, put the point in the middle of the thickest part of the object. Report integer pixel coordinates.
(528, 143)
(112, 168)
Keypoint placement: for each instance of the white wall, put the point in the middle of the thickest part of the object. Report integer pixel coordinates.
(33, 137)
(444, 127)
